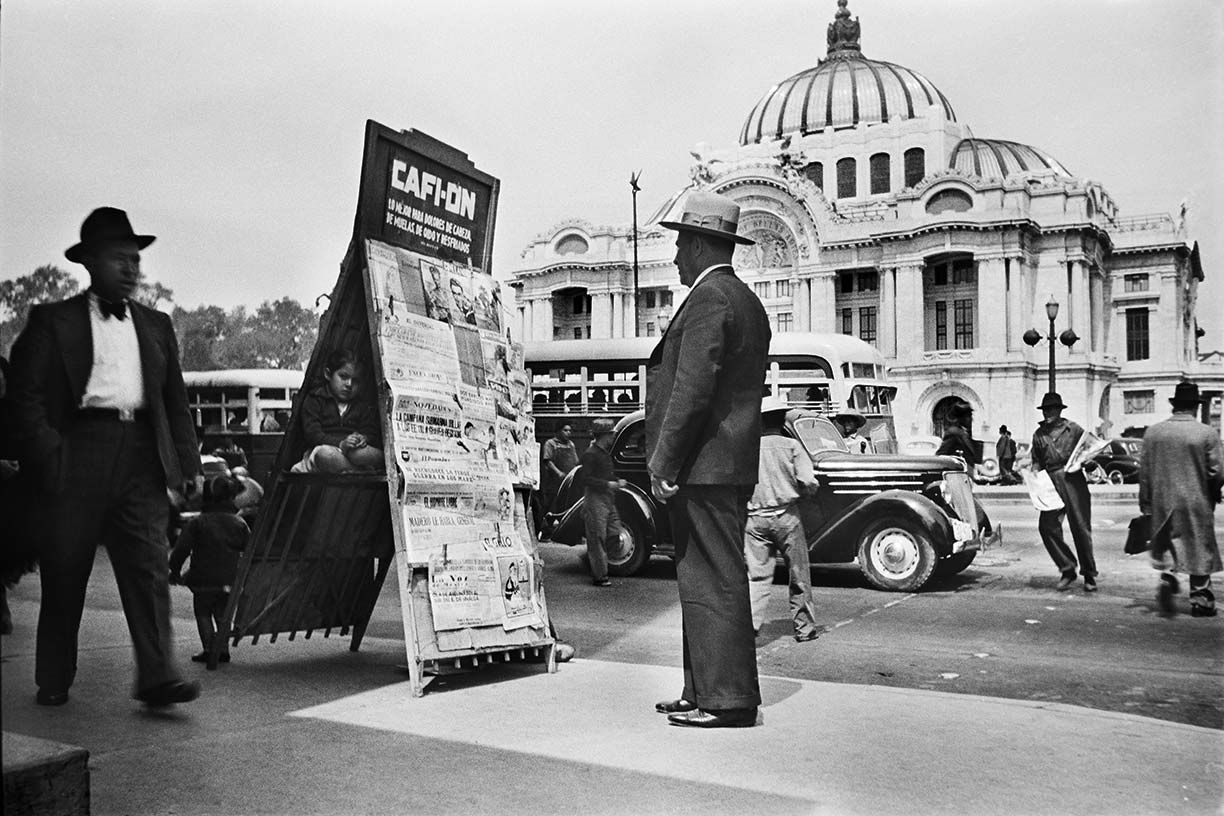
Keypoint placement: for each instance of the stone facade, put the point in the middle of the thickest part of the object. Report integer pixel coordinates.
(889, 220)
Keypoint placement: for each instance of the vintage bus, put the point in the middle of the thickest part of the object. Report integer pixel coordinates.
(576, 381)
(252, 405)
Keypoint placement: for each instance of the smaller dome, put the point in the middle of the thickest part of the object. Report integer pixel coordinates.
(998, 158)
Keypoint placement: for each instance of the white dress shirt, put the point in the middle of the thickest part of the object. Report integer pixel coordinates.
(116, 379)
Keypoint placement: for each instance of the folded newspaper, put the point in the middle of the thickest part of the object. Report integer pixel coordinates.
(1086, 447)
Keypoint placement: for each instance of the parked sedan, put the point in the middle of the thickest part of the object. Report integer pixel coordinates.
(900, 518)
(1118, 463)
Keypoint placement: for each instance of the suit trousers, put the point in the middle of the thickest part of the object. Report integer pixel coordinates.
(114, 494)
(1073, 489)
(719, 646)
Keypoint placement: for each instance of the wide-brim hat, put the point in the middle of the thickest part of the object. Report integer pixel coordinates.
(102, 225)
(1051, 400)
(771, 405)
(601, 426)
(853, 419)
(1186, 394)
(1003, 429)
(710, 214)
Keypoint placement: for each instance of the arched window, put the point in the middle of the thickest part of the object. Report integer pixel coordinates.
(880, 168)
(572, 245)
(915, 166)
(815, 174)
(846, 171)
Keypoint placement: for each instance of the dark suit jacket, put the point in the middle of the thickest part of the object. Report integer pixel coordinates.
(704, 384)
(52, 361)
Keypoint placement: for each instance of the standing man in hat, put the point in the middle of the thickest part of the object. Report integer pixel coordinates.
(1005, 451)
(102, 423)
(703, 437)
(1053, 443)
(775, 526)
(1180, 476)
(599, 500)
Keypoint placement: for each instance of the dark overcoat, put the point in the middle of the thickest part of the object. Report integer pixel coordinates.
(1180, 474)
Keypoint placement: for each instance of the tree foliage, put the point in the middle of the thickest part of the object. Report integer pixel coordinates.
(278, 334)
(45, 285)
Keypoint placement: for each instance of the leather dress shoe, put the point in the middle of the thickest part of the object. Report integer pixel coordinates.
(1066, 581)
(51, 698)
(1196, 611)
(675, 706)
(169, 693)
(1090, 585)
(726, 718)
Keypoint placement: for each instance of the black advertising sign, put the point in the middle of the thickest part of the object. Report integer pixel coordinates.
(424, 195)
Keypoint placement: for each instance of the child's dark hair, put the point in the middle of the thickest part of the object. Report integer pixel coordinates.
(221, 488)
(338, 359)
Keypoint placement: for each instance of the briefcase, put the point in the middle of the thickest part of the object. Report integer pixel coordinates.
(1139, 536)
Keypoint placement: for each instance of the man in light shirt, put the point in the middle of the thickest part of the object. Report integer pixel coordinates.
(774, 526)
(103, 428)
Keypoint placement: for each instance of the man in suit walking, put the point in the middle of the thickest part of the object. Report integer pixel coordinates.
(102, 425)
(703, 437)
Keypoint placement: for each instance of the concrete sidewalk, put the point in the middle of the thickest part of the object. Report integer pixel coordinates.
(1106, 493)
(308, 727)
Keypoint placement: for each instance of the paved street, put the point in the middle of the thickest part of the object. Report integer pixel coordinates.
(977, 695)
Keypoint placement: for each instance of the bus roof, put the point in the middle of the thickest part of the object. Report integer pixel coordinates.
(838, 347)
(244, 377)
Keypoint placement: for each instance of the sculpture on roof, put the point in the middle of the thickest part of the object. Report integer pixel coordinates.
(843, 32)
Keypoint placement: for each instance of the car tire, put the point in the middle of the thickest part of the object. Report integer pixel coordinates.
(634, 551)
(1116, 476)
(896, 555)
(956, 564)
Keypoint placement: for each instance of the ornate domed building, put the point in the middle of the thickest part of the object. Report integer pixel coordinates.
(877, 213)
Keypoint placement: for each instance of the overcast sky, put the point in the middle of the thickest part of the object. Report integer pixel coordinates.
(233, 131)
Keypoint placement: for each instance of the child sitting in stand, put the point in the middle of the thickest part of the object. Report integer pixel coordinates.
(214, 541)
(342, 432)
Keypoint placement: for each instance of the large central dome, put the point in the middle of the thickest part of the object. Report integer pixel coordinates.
(844, 90)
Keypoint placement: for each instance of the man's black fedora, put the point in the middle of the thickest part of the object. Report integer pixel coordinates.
(102, 225)
(1185, 395)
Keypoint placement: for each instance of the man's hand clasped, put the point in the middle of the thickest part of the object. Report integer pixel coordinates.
(662, 489)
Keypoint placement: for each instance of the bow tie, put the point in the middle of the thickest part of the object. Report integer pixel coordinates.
(117, 310)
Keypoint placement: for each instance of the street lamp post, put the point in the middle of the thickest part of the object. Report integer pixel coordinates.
(633, 185)
(1068, 337)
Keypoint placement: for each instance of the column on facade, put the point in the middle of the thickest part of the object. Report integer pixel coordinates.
(823, 306)
(992, 326)
(526, 321)
(1017, 316)
(542, 321)
(618, 316)
(911, 313)
(1080, 318)
(887, 322)
(802, 292)
(601, 315)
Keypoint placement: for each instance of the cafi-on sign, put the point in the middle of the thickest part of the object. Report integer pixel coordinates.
(424, 195)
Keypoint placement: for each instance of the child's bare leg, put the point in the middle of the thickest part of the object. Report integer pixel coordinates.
(329, 459)
(366, 458)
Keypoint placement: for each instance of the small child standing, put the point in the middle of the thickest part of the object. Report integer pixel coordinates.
(342, 433)
(214, 541)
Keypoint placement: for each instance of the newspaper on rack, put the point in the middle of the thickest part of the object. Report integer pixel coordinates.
(462, 435)
(1086, 447)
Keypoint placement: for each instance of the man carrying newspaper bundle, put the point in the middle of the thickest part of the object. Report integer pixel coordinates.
(1059, 449)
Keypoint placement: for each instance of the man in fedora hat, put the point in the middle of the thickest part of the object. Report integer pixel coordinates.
(775, 527)
(1053, 443)
(703, 436)
(599, 515)
(102, 422)
(1180, 476)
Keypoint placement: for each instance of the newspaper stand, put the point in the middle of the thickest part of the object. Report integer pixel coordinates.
(323, 544)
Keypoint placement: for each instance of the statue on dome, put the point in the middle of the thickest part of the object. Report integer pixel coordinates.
(843, 32)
